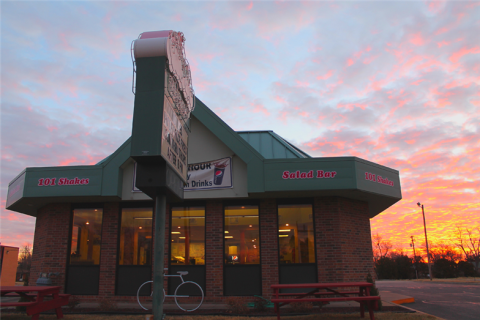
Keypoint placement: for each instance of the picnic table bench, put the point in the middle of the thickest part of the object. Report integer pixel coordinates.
(36, 299)
(330, 293)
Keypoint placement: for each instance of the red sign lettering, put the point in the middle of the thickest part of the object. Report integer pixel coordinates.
(44, 182)
(379, 179)
(308, 175)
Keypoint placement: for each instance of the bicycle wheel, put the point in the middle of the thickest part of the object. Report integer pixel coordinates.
(151, 294)
(184, 300)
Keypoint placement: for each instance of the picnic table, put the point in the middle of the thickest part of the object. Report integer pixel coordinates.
(326, 292)
(36, 299)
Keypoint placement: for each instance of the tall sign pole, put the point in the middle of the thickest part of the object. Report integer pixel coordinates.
(164, 100)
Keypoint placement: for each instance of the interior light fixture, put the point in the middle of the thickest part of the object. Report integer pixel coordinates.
(176, 232)
(179, 227)
(284, 230)
(139, 227)
(181, 237)
(227, 232)
(87, 222)
(283, 235)
(228, 237)
(250, 226)
(287, 225)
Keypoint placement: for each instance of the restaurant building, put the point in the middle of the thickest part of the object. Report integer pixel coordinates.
(256, 210)
(277, 216)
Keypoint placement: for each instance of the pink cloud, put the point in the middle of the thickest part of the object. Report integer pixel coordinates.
(464, 51)
(417, 39)
(326, 76)
(250, 6)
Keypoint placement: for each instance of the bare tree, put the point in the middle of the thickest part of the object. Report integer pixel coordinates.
(380, 247)
(25, 261)
(443, 250)
(469, 243)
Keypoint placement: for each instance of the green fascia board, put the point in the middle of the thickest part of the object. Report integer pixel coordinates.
(237, 144)
(348, 181)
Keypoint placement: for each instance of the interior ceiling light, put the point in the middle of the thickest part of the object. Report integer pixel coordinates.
(284, 230)
(139, 227)
(176, 232)
(87, 222)
(250, 226)
(181, 237)
(228, 237)
(179, 227)
(286, 225)
(227, 232)
(283, 235)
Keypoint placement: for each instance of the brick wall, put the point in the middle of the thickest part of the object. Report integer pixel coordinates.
(214, 250)
(269, 245)
(108, 251)
(50, 248)
(344, 251)
(344, 248)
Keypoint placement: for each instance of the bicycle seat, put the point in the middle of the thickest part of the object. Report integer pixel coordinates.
(182, 273)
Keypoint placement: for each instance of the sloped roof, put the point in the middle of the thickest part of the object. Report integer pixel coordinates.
(271, 146)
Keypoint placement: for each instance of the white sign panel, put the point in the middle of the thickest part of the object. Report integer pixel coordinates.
(215, 174)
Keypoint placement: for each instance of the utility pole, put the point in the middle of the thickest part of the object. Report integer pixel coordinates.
(414, 256)
(426, 241)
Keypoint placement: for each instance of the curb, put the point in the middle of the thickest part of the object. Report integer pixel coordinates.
(402, 301)
(418, 311)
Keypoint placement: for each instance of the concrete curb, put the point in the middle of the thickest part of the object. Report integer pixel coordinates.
(421, 312)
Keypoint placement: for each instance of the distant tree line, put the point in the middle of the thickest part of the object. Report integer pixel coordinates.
(459, 257)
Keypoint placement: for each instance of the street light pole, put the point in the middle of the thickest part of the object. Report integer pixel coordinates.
(415, 257)
(426, 240)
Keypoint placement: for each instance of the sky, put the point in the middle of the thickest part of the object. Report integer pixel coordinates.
(396, 83)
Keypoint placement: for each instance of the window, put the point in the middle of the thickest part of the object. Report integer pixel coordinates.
(86, 236)
(295, 234)
(136, 236)
(187, 236)
(242, 241)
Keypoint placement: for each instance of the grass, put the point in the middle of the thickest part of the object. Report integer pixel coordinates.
(378, 316)
(459, 280)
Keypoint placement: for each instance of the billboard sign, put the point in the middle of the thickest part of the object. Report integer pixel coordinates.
(215, 174)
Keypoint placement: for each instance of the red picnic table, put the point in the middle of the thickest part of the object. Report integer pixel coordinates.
(36, 299)
(326, 292)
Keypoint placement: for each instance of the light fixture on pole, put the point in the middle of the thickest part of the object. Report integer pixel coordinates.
(426, 240)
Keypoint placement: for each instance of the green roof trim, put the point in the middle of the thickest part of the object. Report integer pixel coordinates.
(271, 146)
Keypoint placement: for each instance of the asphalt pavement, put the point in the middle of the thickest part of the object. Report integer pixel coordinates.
(450, 301)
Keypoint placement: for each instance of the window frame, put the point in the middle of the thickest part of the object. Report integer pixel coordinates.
(297, 201)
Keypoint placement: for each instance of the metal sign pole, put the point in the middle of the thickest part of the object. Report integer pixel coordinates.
(160, 214)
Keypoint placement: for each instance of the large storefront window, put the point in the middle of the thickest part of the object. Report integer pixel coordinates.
(188, 236)
(295, 234)
(187, 247)
(83, 272)
(296, 245)
(242, 272)
(136, 236)
(86, 236)
(242, 245)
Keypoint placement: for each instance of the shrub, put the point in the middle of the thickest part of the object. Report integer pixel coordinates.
(260, 303)
(374, 291)
(237, 305)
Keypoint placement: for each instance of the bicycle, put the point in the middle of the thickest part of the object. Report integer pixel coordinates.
(196, 289)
